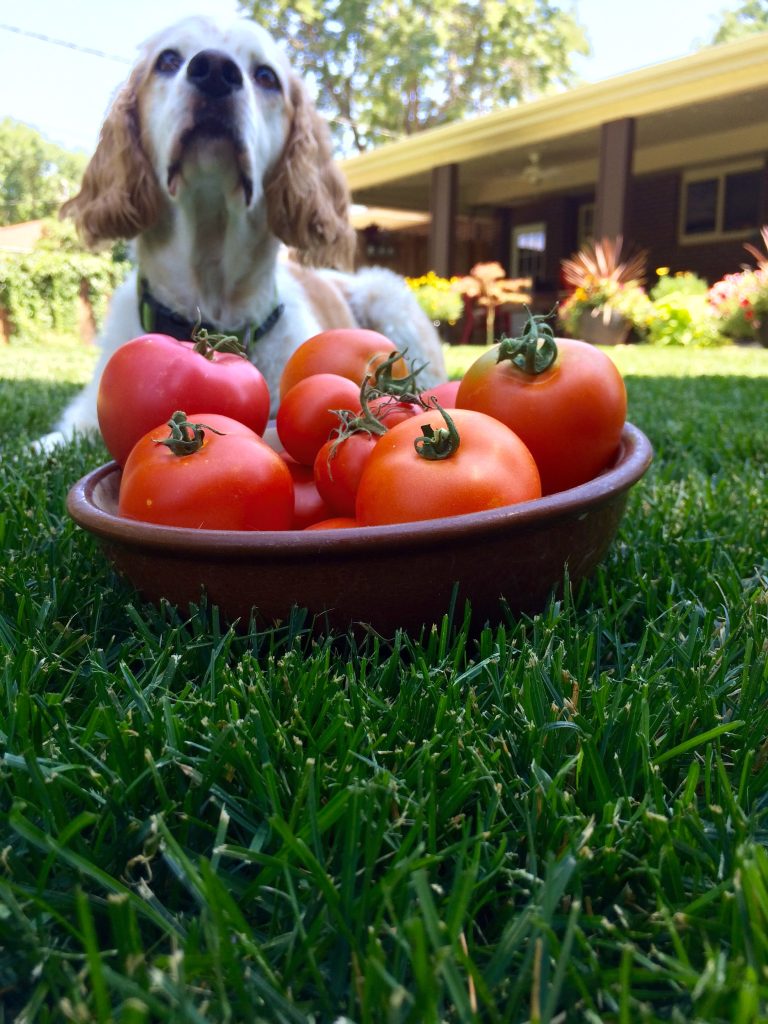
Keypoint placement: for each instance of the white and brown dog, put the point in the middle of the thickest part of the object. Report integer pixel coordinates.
(214, 160)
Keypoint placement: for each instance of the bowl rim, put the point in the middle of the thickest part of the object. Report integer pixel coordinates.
(634, 458)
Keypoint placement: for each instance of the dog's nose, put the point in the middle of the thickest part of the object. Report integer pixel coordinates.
(214, 73)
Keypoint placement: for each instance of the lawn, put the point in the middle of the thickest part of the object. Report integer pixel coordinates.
(557, 818)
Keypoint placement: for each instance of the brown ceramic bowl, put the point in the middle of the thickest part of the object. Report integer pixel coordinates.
(386, 576)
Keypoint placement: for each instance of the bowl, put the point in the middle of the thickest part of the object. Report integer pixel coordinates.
(387, 577)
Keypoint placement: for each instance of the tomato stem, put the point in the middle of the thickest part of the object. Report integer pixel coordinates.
(207, 344)
(185, 438)
(534, 350)
(438, 444)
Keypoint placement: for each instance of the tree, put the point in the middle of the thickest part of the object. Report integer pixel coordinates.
(35, 175)
(392, 68)
(744, 20)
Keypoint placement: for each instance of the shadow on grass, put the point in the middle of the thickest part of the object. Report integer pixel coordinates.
(31, 407)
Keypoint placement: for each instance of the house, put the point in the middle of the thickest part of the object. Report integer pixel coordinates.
(673, 157)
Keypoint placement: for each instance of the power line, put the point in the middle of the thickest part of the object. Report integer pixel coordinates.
(65, 43)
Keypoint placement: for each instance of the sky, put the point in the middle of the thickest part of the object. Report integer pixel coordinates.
(64, 92)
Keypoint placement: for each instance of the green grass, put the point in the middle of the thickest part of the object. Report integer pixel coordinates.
(559, 818)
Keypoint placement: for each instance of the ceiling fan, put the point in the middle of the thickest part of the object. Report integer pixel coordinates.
(533, 173)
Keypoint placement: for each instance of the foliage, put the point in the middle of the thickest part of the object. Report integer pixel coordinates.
(36, 176)
(39, 290)
(684, 282)
(680, 318)
(602, 280)
(557, 817)
(489, 288)
(437, 297)
(386, 70)
(745, 19)
(740, 300)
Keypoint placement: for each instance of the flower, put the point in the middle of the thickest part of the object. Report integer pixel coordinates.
(740, 300)
(604, 285)
(437, 296)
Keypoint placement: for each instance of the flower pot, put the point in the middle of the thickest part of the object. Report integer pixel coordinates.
(599, 329)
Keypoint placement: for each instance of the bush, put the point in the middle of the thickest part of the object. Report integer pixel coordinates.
(39, 290)
(680, 318)
(684, 282)
(436, 297)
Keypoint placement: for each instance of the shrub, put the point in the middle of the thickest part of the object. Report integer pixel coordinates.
(39, 289)
(437, 297)
(680, 318)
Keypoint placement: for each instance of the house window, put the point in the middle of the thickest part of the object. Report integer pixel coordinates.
(529, 243)
(721, 202)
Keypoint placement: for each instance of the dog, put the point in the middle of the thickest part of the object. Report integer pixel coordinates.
(215, 162)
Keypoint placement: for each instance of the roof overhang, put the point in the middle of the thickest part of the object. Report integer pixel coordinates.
(703, 107)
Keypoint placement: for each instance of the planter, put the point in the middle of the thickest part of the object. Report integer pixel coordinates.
(595, 328)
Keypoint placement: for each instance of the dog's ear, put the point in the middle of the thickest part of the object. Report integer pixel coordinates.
(119, 196)
(307, 196)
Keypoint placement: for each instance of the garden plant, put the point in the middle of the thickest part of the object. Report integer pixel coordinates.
(559, 817)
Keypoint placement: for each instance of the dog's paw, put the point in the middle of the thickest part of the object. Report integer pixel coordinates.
(48, 443)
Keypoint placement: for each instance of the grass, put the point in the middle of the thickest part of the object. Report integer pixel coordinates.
(559, 818)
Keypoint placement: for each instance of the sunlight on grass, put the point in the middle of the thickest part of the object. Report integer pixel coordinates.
(645, 361)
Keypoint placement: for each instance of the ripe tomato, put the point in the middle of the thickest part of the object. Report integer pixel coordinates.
(335, 523)
(150, 377)
(570, 415)
(491, 467)
(348, 351)
(338, 467)
(308, 504)
(306, 416)
(233, 481)
(445, 394)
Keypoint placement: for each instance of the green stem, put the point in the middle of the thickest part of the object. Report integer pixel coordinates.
(439, 444)
(207, 345)
(185, 438)
(534, 351)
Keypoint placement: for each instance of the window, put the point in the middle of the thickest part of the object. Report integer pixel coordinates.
(529, 243)
(720, 202)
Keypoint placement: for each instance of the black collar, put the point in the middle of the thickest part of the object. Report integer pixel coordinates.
(157, 318)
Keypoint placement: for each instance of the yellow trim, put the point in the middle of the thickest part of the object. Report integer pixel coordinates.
(710, 73)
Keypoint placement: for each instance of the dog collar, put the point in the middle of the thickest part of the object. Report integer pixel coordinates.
(157, 318)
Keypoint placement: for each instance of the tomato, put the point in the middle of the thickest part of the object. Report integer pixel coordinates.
(306, 416)
(308, 504)
(335, 523)
(338, 467)
(570, 415)
(348, 351)
(233, 481)
(389, 411)
(491, 467)
(445, 394)
(148, 378)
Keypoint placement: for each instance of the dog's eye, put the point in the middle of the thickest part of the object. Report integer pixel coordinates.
(168, 62)
(265, 78)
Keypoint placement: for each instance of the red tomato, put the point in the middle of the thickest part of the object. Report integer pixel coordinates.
(335, 523)
(348, 351)
(306, 416)
(570, 415)
(389, 411)
(490, 468)
(338, 467)
(235, 481)
(309, 506)
(445, 394)
(148, 378)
